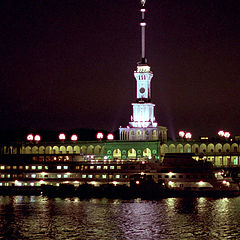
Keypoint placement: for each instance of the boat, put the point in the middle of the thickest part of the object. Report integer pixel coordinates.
(181, 175)
(89, 175)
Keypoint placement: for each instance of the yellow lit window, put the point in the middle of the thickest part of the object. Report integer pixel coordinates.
(8, 167)
(86, 167)
(77, 167)
(91, 167)
(26, 167)
(2, 167)
(46, 167)
(97, 176)
(104, 176)
(14, 167)
(2, 175)
(20, 167)
(118, 167)
(105, 167)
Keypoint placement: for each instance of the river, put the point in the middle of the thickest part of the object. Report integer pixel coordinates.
(37, 217)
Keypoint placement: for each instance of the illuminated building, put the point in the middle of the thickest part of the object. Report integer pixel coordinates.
(143, 125)
(34, 162)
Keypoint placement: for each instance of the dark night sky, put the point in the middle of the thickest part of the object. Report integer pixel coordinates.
(69, 64)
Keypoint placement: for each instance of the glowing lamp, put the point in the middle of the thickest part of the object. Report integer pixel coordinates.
(201, 183)
(188, 135)
(221, 133)
(74, 137)
(110, 136)
(30, 137)
(137, 182)
(171, 183)
(41, 182)
(143, 24)
(181, 134)
(99, 135)
(37, 138)
(224, 182)
(227, 134)
(62, 136)
(143, 10)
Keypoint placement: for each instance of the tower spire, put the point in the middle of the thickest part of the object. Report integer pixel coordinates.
(143, 25)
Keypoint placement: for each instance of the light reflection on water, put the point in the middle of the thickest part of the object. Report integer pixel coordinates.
(36, 217)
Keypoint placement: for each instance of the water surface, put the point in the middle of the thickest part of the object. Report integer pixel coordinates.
(36, 217)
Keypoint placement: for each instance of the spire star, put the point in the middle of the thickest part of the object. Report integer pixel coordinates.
(143, 2)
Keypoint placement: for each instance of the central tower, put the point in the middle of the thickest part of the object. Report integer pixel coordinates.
(143, 125)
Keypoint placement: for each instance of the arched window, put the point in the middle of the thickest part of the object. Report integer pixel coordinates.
(132, 153)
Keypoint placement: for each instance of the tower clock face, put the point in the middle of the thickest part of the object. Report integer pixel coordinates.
(142, 90)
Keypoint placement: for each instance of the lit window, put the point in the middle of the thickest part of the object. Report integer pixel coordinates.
(40, 167)
(2, 175)
(59, 175)
(65, 167)
(235, 161)
(33, 167)
(86, 167)
(32, 184)
(84, 176)
(111, 167)
(105, 167)
(91, 167)
(104, 176)
(2, 167)
(59, 167)
(97, 176)
(20, 167)
(26, 167)
(98, 167)
(118, 167)
(8, 175)
(117, 176)
(33, 175)
(14, 167)
(90, 176)
(8, 167)
(65, 176)
(1, 184)
(77, 167)
(46, 167)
